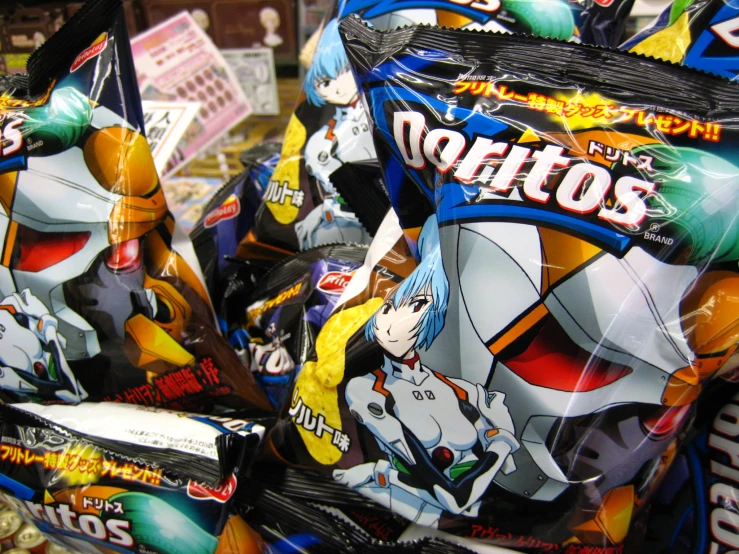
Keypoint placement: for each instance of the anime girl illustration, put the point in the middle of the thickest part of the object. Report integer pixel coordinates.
(445, 439)
(346, 138)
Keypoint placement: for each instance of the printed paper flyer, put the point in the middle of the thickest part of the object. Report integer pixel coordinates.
(166, 123)
(176, 61)
(255, 70)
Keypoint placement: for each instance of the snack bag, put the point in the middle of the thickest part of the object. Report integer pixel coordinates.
(108, 477)
(388, 262)
(327, 141)
(289, 521)
(692, 510)
(276, 325)
(326, 187)
(696, 33)
(699, 34)
(101, 295)
(229, 216)
(576, 233)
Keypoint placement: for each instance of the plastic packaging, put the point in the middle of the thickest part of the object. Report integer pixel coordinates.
(327, 144)
(700, 34)
(102, 296)
(123, 478)
(692, 509)
(326, 187)
(576, 231)
(276, 324)
(229, 217)
(288, 512)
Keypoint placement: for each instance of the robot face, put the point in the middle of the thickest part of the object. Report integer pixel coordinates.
(397, 327)
(340, 91)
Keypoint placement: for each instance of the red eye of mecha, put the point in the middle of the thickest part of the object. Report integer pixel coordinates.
(123, 257)
(40, 370)
(35, 251)
(666, 421)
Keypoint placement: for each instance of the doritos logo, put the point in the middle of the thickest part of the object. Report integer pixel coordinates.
(334, 282)
(228, 210)
(221, 494)
(88, 53)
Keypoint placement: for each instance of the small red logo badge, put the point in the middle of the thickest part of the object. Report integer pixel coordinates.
(228, 210)
(220, 494)
(334, 282)
(90, 52)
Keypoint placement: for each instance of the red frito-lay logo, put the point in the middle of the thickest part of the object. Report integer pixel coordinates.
(604, 3)
(229, 209)
(220, 494)
(88, 53)
(334, 282)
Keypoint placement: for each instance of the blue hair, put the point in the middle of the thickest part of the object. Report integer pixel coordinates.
(429, 275)
(329, 62)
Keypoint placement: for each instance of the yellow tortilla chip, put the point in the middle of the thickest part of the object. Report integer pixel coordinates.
(317, 382)
(669, 44)
(287, 174)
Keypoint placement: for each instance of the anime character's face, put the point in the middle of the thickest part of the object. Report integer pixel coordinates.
(340, 91)
(397, 326)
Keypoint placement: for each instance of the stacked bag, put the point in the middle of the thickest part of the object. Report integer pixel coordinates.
(483, 295)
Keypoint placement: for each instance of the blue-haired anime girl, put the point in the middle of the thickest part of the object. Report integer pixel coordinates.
(346, 138)
(444, 439)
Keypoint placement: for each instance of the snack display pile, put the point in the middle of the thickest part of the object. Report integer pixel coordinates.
(483, 296)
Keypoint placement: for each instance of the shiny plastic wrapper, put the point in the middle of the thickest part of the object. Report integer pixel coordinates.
(576, 236)
(229, 217)
(692, 509)
(115, 477)
(326, 187)
(327, 144)
(102, 296)
(697, 33)
(275, 326)
(281, 509)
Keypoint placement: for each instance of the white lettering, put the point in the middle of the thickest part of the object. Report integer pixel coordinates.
(572, 187)
(627, 198)
(92, 527)
(410, 151)
(724, 445)
(118, 530)
(726, 31)
(510, 168)
(13, 135)
(481, 150)
(725, 527)
(726, 421)
(546, 160)
(449, 154)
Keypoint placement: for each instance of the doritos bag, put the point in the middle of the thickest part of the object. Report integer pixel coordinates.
(696, 33)
(576, 231)
(112, 477)
(326, 187)
(693, 510)
(98, 295)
